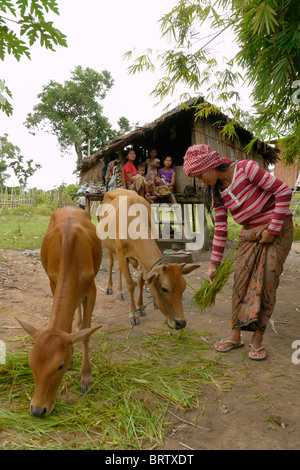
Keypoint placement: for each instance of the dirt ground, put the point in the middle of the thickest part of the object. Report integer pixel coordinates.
(261, 411)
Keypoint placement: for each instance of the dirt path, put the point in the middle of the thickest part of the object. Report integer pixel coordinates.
(262, 409)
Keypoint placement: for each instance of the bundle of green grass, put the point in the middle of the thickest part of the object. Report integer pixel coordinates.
(205, 296)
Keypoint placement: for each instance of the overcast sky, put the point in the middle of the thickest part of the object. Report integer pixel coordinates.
(98, 32)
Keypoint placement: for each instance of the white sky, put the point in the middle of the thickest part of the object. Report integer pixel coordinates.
(98, 33)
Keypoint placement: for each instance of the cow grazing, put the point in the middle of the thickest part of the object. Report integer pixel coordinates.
(165, 280)
(71, 256)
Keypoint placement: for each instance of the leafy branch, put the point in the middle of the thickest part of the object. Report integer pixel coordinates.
(22, 25)
(267, 34)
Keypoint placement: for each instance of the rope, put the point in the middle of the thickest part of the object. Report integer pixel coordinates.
(162, 260)
(126, 313)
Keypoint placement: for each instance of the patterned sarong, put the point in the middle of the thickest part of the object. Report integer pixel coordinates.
(258, 268)
(162, 191)
(137, 184)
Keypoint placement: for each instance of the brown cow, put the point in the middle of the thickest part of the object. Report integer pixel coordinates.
(165, 280)
(71, 256)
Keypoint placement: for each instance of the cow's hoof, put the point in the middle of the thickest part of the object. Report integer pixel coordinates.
(108, 291)
(141, 312)
(86, 387)
(134, 321)
(121, 297)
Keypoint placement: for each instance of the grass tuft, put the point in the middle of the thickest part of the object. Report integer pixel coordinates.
(205, 296)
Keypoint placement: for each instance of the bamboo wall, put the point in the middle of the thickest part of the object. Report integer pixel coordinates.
(287, 174)
(204, 132)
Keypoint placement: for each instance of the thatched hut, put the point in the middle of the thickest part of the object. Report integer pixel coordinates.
(171, 134)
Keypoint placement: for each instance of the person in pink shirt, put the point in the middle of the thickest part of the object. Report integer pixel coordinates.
(259, 202)
(134, 180)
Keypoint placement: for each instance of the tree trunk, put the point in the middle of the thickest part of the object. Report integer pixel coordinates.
(79, 153)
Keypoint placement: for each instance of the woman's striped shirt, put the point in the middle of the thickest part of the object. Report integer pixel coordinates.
(254, 197)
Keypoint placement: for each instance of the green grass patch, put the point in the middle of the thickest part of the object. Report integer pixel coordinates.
(22, 232)
(24, 227)
(137, 382)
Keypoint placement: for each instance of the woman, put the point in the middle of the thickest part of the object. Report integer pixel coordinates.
(260, 203)
(166, 180)
(167, 172)
(134, 180)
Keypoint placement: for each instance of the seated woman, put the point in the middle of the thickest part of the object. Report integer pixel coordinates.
(166, 178)
(134, 180)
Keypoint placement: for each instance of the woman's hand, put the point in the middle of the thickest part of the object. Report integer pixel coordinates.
(211, 270)
(130, 176)
(266, 237)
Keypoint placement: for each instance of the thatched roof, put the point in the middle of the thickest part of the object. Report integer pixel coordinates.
(144, 136)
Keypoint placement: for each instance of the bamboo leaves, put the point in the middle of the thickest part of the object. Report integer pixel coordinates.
(263, 18)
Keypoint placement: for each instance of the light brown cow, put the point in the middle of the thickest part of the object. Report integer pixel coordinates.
(71, 256)
(165, 280)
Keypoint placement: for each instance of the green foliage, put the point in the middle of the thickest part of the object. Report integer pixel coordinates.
(10, 157)
(22, 24)
(24, 210)
(268, 36)
(73, 112)
(45, 209)
(296, 236)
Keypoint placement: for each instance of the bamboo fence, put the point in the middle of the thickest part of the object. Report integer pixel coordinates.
(11, 197)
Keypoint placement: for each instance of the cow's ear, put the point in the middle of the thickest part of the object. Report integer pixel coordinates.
(188, 268)
(30, 329)
(151, 277)
(81, 335)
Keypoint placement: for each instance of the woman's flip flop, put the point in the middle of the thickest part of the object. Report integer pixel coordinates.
(257, 358)
(234, 345)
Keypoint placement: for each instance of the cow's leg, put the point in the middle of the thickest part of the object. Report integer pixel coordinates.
(120, 295)
(124, 266)
(109, 285)
(139, 301)
(88, 307)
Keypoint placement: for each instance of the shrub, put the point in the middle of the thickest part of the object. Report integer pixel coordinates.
(46, 209)
(5, 210)
(296, 237)
(24, 210)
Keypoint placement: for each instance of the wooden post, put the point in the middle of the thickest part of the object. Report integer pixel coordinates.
(60, 197)
(88, 206)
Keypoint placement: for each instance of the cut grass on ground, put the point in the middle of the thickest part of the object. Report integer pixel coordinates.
(137, 383)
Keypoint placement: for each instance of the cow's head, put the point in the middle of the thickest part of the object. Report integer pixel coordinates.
(49, 359)
(167, 284)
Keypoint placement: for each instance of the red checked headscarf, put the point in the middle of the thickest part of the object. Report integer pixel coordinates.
(199, 159)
